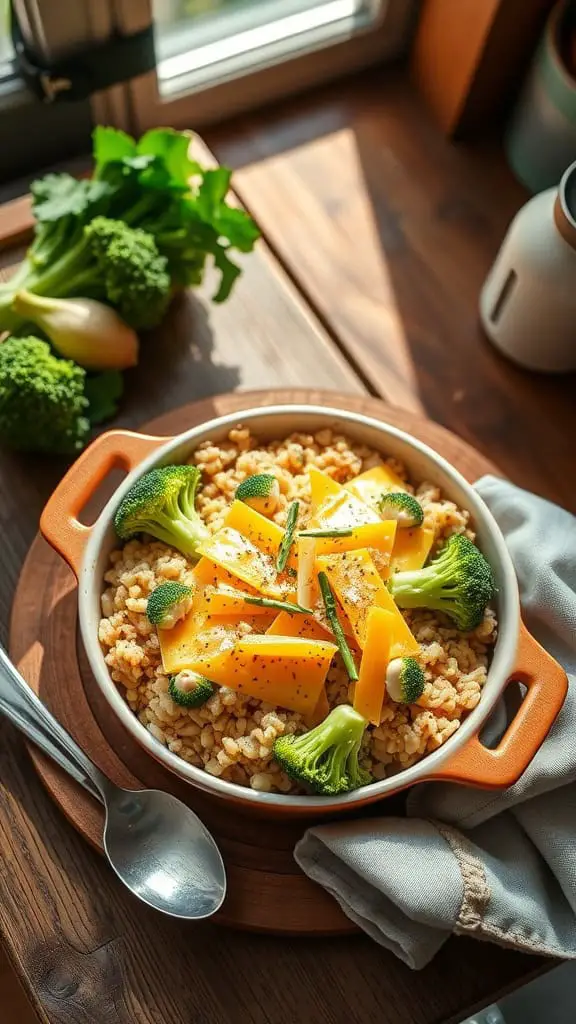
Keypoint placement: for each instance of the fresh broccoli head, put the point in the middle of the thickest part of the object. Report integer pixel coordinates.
(105, 260)
(326, 758)
(162, 503)
(169, 603)
(458, 582)
(404, 680)
(132, 271)
(261, 492)
(42, 403)
(403, 507)
(190, 690)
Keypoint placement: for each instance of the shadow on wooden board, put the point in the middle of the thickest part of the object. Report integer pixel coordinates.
(15, 1007)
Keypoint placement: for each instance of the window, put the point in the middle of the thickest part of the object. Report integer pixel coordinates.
(213, 59)
(202, 41)
(217, 57)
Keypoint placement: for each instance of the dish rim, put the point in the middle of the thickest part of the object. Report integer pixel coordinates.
(503, 659)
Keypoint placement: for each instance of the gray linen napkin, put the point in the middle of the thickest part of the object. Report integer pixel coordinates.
(497, 866)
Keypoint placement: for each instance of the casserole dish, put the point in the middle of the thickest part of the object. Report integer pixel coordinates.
(463, 758)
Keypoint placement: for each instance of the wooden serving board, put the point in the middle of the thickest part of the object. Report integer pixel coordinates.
(266, 890)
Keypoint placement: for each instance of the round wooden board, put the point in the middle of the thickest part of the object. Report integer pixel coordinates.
(266, 890)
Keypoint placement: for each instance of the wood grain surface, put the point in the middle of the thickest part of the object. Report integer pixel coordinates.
(16, 1008)
(401, 229)
(266, 890)
(414, 221)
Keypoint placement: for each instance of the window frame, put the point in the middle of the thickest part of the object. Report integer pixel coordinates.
(386, 38)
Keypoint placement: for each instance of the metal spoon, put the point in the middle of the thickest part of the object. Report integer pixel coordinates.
(156, 845)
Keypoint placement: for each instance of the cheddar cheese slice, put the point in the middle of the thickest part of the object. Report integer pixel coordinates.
(373, 483)
(370, 688)
(411, 548)
(359, 587)
(246, 547)
(287, 671)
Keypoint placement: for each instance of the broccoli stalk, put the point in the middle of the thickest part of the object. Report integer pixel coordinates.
(326, 758)
(189, 689)
(458, 582)
(162, 503)
(105, 260)
(404, 680)
(169, 603)
(43, 407)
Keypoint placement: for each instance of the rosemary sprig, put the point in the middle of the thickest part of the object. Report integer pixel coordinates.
(332, 616)
(335, 532)
(288, 538)
(283, 606)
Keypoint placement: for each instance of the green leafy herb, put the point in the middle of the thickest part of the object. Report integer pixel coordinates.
(288, 538)
(282, 606)
(344, 532)
(332, 616)
(61, 195)
(111, 144)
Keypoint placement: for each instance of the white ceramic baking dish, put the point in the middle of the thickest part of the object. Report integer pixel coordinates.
(463, 758)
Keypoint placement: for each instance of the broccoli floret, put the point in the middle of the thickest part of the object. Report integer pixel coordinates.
(261, 492)
(402, 507)
(105, 260)
(162, 503)
(169, 603)
(42, 403)
(404, 680)
(190, 690)
(133, 272)
(458, 582)
(326, 758)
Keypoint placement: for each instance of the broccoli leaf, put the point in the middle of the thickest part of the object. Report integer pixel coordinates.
(155, 175)
(111, 145)
(229, 222)
(103, 391)
(213, 191)
(139, 162)
(238, 227)
(60, 195)
(172, 148)
(229, 272)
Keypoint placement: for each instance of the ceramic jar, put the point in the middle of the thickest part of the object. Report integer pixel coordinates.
(528, 302)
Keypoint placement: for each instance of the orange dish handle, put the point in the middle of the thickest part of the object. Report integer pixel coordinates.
(547, 685)
(59, 523)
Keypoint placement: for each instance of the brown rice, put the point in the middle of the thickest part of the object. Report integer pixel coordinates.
(232, 736)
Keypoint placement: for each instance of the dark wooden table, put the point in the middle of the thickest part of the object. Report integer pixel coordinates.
(381, 234)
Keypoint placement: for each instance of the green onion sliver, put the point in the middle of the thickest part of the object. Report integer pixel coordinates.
(283, 606)
(344, 532)
(288, 538)
(332, 616)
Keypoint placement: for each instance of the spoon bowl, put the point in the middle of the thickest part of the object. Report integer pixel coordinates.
(156, 844)
(163, 853)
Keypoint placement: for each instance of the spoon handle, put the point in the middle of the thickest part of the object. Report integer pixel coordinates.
(29, 714)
